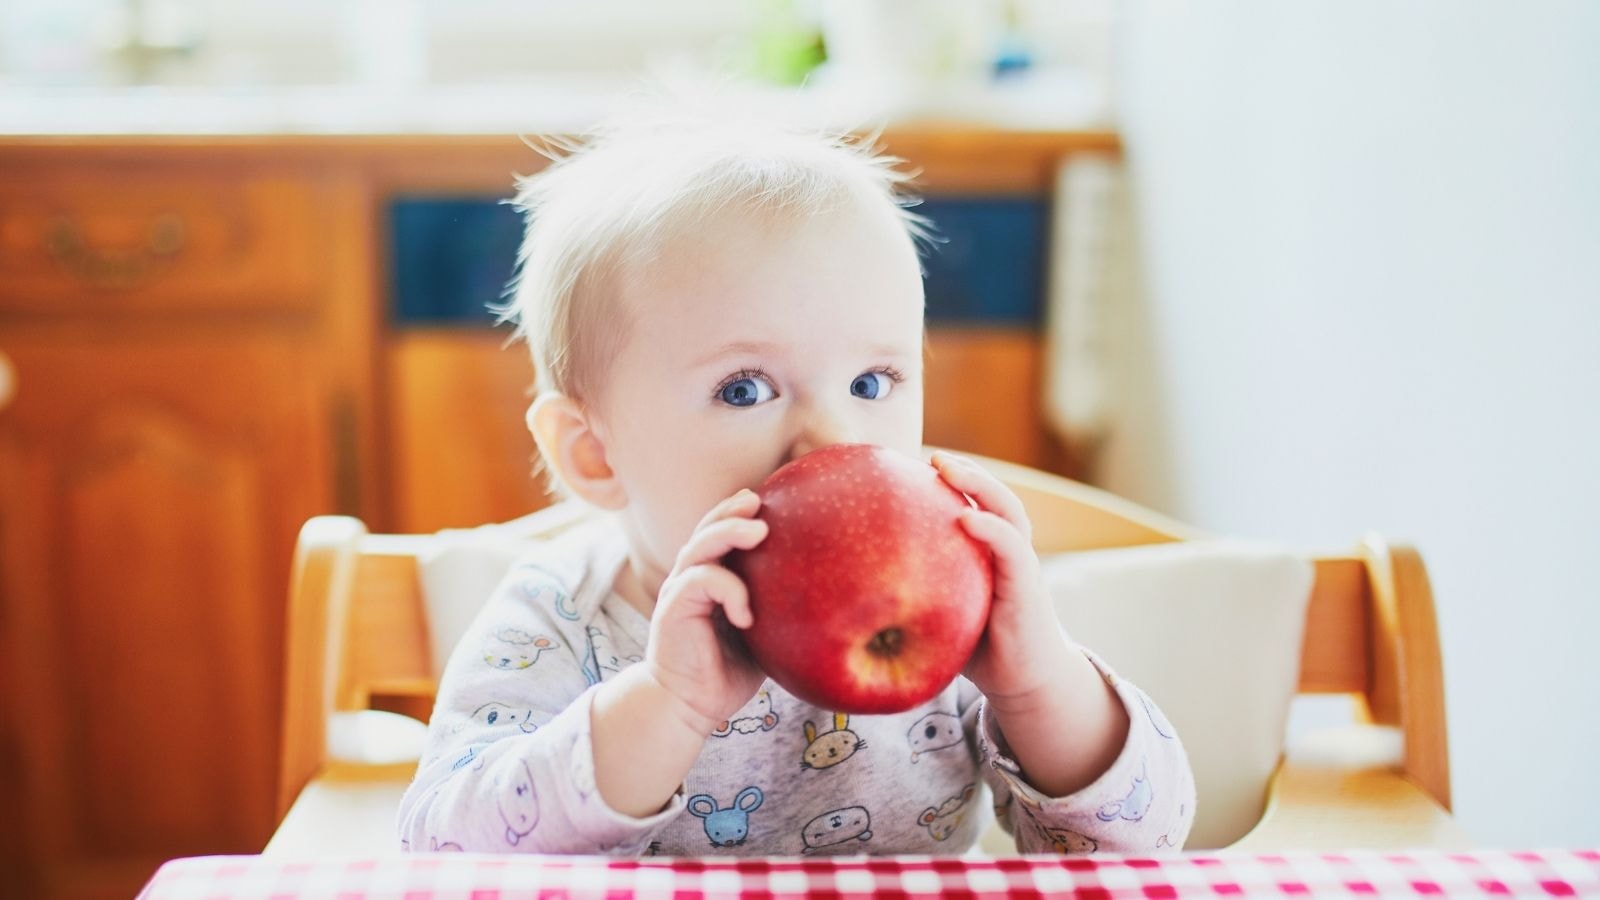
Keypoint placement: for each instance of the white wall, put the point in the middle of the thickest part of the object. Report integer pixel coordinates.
(1368, 297)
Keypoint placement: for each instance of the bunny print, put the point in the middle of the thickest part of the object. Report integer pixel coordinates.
(832, 747)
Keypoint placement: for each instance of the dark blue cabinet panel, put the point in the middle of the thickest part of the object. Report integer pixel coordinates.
(451, 257)
(988, 266)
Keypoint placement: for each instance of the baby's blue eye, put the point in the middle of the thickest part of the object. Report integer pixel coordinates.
(746, 392)
(871, 385)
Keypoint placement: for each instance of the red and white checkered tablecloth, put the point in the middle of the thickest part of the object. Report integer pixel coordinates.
(1547, 873)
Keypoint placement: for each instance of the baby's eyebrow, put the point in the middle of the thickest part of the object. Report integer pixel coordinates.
(734, 348)
(770, 348)
(877, 350)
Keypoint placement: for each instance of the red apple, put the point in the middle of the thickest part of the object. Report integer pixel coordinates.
(867, 594)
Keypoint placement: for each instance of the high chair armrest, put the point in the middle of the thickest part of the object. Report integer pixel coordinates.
(349, 807)
(375, 737)
(319, 590)
(1328, 808)
(1339, 788)
(348, 810)
(1343, 789)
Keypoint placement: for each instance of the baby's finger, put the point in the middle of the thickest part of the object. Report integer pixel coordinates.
(695, 590)
(744, 503)
(1014, 561)
(713, 541)
(990, 493)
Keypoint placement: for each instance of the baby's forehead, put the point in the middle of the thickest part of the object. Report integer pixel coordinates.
(805, 292)
(749, 222)
(755, 253)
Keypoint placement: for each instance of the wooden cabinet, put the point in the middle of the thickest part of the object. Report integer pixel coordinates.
(151, 238)
(460, 453)
(150, 512)
(173, 419)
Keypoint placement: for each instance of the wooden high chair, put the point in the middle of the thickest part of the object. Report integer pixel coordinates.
(357, 637)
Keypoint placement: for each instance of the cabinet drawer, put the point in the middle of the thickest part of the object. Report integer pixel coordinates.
(76, 240)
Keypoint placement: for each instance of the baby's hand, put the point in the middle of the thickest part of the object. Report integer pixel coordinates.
(685, 654)
(1023, 645)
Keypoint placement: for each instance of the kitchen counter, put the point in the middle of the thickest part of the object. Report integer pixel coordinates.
(1041, 102)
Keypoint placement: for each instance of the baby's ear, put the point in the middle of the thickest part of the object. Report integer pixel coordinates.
(573, 450)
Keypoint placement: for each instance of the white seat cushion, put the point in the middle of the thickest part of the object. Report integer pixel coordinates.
(1211, 630)
(463, 567)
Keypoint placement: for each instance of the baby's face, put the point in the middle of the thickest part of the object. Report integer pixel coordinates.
(752, 343)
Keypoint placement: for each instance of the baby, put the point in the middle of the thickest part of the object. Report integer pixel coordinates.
(704, 303)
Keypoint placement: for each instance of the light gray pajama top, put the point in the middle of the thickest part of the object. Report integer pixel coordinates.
(508, 765)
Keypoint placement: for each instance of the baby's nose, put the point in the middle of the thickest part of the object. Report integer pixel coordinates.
(821, 425)
(821, 430)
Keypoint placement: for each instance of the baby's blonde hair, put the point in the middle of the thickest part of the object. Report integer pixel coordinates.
(614, 199)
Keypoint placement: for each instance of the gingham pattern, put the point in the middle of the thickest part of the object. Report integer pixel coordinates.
(1548, 873)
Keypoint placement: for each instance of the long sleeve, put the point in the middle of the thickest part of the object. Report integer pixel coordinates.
(509, 766)
(1143, 803)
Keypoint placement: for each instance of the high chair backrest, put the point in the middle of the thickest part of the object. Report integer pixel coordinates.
(358, 632)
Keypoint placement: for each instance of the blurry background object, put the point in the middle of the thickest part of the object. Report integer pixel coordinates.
(1086, 258)
(386, 42)
(142, 38)
(52, 42)
(913, 46)
(1041, 63)
(99, 41)
(785, 44)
